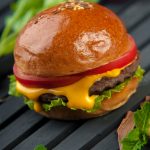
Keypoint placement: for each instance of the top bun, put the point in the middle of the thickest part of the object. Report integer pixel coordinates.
(60, 42)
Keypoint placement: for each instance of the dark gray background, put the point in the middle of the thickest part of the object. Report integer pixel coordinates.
(22, 129)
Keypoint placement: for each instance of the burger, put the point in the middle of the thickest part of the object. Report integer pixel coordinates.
(75, 61)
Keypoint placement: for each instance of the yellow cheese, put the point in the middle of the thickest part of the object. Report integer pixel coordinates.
(37, 106)
(77, 93)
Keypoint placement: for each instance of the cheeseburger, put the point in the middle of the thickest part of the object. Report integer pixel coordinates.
(75, 61)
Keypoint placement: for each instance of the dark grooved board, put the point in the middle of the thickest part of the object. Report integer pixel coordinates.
(142, 33)
(146, 80)
(107, 142)
(55, 131)
(2, 18)
(18, 127)
(4, 87)
(130, 16)
(24, 129)
(117, 5)
(11, 106)
(6, 64)
(145, 57)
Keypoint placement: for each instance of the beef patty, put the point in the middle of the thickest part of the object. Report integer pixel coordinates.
(99, 86)
(107, 82)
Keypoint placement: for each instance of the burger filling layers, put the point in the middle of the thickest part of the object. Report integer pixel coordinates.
(86, 94)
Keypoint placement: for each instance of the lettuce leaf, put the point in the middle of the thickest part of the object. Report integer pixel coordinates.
(12, 86)
(29, 103)
(138, 137)
(40, 147)
(54, 103)
(139, 73)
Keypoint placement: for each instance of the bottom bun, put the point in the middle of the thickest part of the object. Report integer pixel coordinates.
(116, 101)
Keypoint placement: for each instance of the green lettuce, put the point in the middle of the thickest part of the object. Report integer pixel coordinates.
(40, 147)
(138, 137)
(12, 86)
(59, 102)
(139, 73)
(54, 103)
(29, 103)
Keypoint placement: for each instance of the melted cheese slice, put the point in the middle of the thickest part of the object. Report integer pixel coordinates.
(77, 93)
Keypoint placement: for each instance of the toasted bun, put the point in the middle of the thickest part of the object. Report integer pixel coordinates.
(70, 41)
(116, 101)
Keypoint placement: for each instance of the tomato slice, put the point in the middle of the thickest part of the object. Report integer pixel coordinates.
(54, 82)
(40, 82)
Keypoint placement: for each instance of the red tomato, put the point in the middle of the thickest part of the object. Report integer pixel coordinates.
(53, 82)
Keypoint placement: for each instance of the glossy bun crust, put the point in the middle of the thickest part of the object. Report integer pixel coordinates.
(116, 101)
(70, 41)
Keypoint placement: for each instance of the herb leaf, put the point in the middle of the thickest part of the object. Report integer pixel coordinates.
(40, 147)
(138, 137)
(142, 118)
(135, 140)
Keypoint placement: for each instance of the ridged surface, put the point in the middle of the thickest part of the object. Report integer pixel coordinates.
(23, 129)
